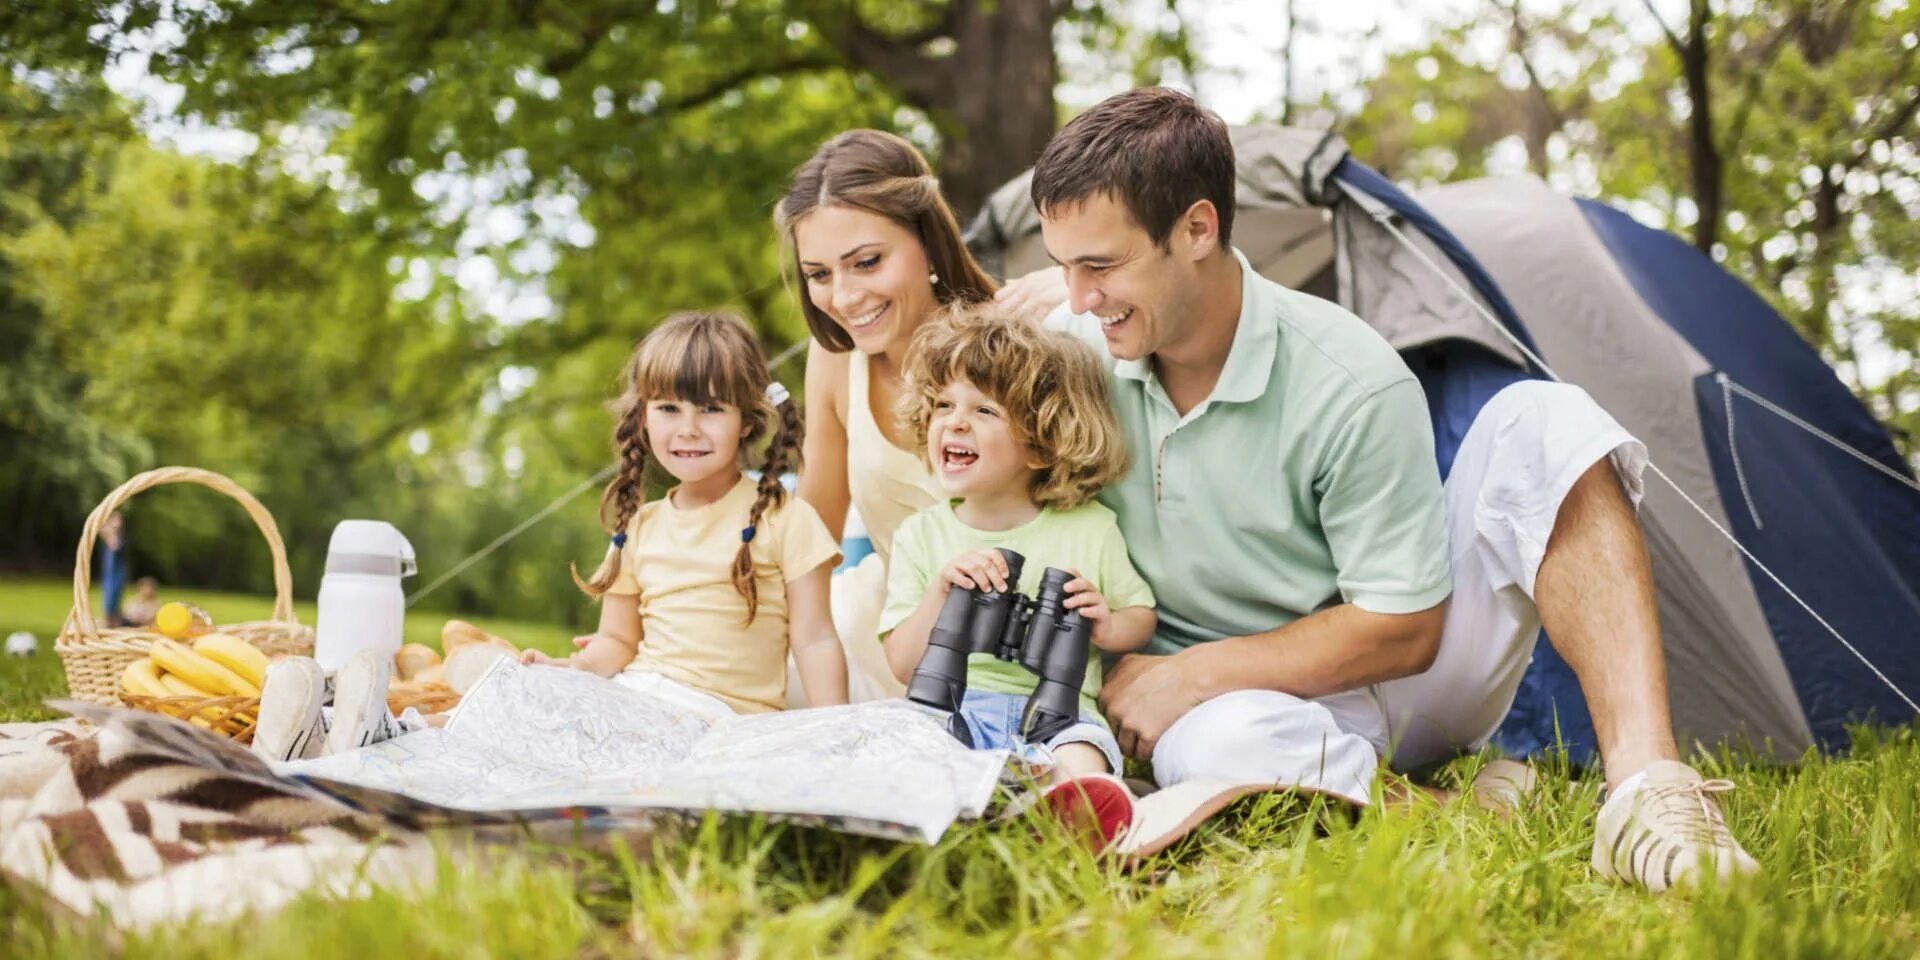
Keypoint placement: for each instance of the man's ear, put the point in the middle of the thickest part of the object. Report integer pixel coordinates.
(1198, 230)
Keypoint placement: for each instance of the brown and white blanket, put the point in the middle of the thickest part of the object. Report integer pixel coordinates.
(144, 819)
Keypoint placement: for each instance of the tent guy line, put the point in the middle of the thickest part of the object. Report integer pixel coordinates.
(1385, 218)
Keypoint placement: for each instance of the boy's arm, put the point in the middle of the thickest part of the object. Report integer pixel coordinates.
(815, 643)
(908, 641)
(1132, 629)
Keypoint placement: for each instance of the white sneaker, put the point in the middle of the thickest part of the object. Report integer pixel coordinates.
(292, 725)
(360, 714)
(1666, 831)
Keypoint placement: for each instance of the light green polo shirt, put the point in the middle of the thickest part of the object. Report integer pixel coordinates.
(1306, 479)
(1084, 539)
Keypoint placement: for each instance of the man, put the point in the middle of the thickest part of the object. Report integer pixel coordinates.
(1324, 599)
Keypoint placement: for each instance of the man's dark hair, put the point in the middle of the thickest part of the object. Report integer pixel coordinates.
(1154, 149)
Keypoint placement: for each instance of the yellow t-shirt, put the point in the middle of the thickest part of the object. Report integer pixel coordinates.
(693, 622)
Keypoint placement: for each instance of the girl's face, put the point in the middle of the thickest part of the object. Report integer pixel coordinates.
(973, 448)
(695, 442)
(867, 273)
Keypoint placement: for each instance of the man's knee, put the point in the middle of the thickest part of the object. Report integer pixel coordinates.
(1265, 735)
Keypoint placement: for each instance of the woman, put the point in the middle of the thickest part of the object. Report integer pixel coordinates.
(874, 251)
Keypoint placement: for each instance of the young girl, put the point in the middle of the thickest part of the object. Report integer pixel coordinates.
(703, 591)
(1019, 431)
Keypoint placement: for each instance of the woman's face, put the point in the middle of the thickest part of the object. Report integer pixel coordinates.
(866, 272)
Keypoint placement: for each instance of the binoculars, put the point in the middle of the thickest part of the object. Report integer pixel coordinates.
(1040, 634)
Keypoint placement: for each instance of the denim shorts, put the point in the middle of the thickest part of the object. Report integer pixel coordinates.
(994, 721)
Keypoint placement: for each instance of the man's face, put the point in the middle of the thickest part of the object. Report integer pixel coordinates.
(1142, 294)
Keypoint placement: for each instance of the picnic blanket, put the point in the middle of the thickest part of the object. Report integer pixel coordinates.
(147, 819)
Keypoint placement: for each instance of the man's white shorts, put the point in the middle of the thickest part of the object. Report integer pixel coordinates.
(1524, 452)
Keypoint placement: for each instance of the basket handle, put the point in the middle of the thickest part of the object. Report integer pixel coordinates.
(82, 616)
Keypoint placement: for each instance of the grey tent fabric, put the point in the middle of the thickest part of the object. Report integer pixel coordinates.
(1727, 680)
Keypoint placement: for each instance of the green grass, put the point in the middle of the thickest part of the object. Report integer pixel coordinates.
(40, 606)
(1837, 837)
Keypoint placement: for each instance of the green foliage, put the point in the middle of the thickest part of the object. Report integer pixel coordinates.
(1812, 108)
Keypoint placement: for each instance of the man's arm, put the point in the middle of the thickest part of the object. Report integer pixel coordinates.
(1337, 649)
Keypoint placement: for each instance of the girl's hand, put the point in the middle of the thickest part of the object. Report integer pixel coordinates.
(1086, 600)
(977, 570)
(531, 657)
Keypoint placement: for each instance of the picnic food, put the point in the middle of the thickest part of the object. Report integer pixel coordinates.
(200, 672)
(459, 633)
(181, 621)
(414, 658)
(142, 677)
(235, 654)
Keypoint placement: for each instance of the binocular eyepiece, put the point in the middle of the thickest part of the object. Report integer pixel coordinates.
(1040, 634)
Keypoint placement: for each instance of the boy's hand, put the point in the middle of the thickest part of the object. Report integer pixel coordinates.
(1086, 600)
(977, 570)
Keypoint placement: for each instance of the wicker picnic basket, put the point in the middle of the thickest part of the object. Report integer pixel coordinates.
(96, 656)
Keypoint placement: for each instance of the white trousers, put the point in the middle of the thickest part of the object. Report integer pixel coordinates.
(1518, 461)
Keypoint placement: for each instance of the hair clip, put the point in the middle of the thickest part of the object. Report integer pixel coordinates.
(619, 539)
(777, 393)
(746, 535)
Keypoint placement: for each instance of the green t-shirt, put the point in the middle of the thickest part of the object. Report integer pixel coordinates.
(1306, 479)
(1085, 538)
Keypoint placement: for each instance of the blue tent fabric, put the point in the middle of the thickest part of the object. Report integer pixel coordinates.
(1786, 470)
(1836, 531)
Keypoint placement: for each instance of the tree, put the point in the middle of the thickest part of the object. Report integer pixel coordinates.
(1780, 135)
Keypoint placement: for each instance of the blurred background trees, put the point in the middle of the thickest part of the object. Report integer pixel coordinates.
(385, 258)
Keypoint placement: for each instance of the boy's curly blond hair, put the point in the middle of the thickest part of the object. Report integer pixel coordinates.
(1052, 385)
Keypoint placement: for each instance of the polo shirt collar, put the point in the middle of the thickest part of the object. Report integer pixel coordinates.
(1256, 338)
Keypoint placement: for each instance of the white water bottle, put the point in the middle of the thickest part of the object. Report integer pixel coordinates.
(361, 604)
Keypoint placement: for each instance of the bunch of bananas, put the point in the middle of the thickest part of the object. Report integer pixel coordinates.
(217, 665)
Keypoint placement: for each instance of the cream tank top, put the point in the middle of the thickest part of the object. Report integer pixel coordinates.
(887, 484)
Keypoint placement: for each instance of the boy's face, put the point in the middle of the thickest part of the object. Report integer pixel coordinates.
(973, 448)
(1144, 296)
(694, 441)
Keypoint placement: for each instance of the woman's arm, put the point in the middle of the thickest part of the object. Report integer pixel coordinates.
(816, 646)
(823, 470)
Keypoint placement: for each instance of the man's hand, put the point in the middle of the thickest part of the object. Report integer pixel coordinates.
(1144, 694)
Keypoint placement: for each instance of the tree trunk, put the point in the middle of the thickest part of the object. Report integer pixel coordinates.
(985, 75)
(1705, 153)
(998, 113)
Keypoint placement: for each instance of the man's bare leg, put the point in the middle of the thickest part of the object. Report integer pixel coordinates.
(1595, 595)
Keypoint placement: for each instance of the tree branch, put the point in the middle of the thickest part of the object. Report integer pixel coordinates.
(1673, 39)
(897, 59)
(728, 82)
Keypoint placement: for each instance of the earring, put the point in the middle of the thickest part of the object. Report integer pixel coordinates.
(934, 279)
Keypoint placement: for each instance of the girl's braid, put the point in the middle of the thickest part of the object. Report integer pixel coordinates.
(783, 454)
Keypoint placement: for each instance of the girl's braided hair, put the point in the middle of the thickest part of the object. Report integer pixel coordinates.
(697, 357)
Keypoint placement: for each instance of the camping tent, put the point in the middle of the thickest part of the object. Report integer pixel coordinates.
(1464, 277)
